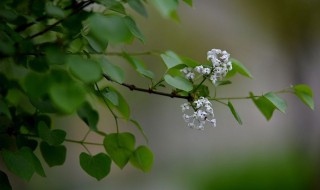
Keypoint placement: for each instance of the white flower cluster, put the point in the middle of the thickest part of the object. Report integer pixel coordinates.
(220, 62)
(219, 69)
(203, 113)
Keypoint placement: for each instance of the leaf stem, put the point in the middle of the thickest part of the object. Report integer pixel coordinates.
(112, 112)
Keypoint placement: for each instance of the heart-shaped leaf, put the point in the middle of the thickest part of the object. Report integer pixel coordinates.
(142, 158)
(120, 147)
(97, 166)
(53, 155)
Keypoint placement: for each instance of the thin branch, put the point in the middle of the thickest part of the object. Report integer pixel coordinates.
(41, 18)
(87, 3)
(149, 90)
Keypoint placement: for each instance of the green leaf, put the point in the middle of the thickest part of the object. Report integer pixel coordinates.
(138, 6)
(170, 59)
(89, 115)
(86, 70)
(189, 62)
(179, 82)
(122, 107)
(4, 109)
(120, 147)
(31, 157)
(96, 44)
(234, 113)
(137, 125)
(4, 181)
(23, 163)
(222, 82)
(113, 71)
(133, 28)
(189, 2)
(18, 164)
(111, 28)
(237, 67)
(139, 66)
(142, 158)
(111, 96)
(53, 137)
(54, 11)
(36, 84)
(305, 94)
(168, 8)
(264, 105)
(97, 166)
(279, 103)
(67, 96)
(53, 155)
(39, 64)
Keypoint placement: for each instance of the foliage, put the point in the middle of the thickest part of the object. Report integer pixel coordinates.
(52, 56)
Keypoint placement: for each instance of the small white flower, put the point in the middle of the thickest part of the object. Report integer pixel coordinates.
(203, 114)
(185, 107)
(189, 75)
(187, 71)
(199, 69)
(206, 71)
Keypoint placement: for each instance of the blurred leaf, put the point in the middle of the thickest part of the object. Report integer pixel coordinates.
(97, 166)
(52, 137)
(142, 158)
(36, 84)
(122, 107)
(97, 45)
(23, 163)
(67, 96)
(179, 82)
(139, 66)
(138, 6)
(4, 109)
(189, 2)
(203, 91)
(55, 54)
(168, 8)
(234, 113)
(4, 181)
(53, 155)
(170, 59)
(18, 164)
(137, 125)
(222, 82)
(86, 70)
(264, 105)
(110, 28)
(73, 23)
(113, 5)
(305, 94)
(113, 71)
(120, 147)
(279, 103)
(237, 67)
(54, 11)
(189, 62)
(32, 158)
(133, 28)
(111, 96)
(89, 115)
(39, 64)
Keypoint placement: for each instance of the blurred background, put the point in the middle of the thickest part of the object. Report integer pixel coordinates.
(279, 42)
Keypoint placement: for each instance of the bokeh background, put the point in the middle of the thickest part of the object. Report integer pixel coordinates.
(279, 42)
